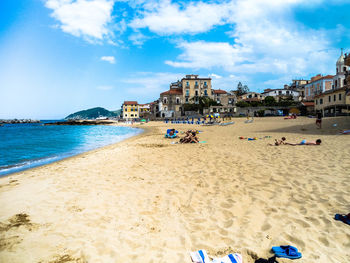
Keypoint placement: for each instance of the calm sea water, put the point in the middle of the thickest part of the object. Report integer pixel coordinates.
(24, 146)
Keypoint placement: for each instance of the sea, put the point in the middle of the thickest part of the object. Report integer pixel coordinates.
(24, 146)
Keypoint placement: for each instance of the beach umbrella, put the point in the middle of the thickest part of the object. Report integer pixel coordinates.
(143, 120)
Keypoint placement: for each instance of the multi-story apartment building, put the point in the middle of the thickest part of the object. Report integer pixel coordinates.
(317, 85)
(252, 96)
(194, 87)
(170, 103)
(336, 100)
(144, 110)
(130, 110)
(299, 85)
(279, 94)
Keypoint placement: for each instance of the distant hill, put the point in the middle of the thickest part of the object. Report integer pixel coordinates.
(92, 114)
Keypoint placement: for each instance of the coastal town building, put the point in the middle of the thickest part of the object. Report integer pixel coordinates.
(299, 85)
(194, 87)
(252, 96)
(317, 85)
(285, 93)
(130, 110)
(335, 101)
(144, 110)
(170, 102)
(341, 69)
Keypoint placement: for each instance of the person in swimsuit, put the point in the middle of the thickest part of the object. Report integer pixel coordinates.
(304, 142)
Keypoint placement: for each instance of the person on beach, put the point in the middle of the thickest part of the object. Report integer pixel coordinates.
(304, 142)
(190, 137)
(319, 120)
(278, 142)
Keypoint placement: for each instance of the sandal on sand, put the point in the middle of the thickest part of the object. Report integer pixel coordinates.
(286, 252)
(344, 218)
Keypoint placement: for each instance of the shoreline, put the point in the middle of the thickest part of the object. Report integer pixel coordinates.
(72, 156)
(146, 200)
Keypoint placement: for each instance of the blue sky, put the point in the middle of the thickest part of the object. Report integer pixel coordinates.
(62, 56)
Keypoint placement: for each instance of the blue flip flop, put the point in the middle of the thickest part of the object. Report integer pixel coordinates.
(344, 218)
(286, 252)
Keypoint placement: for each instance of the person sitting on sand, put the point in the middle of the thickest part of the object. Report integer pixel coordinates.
(172, 132)
(278, 142)
(304, 142)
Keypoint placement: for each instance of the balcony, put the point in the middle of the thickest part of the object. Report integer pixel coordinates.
(205, 86)
(196, 86)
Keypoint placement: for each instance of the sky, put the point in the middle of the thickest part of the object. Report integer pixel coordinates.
(61, 56)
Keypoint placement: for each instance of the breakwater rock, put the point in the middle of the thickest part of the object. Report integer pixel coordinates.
(15, 121)
(81, 122)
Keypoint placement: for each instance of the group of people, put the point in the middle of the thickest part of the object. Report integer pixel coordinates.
(190, 137)
(283, 141)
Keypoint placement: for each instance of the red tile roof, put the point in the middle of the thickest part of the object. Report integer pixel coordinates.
(130, 102)
(308, 103)
(219, 91)
(172, 92)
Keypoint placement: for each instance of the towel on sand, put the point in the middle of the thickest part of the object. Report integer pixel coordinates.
(201, 256)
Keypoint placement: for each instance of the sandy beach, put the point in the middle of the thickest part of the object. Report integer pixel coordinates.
(147, 200)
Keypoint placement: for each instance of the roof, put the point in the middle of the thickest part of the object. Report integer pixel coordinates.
(131, 102)
(308, 103)
(324, 77)
(219, 91)
(172, 92)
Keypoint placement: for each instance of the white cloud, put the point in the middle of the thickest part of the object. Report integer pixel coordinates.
(165, 17)
(105, 87)
(266, 39)
(85, 18)
(216, 76)
(109, 59)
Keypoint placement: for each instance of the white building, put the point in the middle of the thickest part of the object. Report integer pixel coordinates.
(341, 68)
(282, 93)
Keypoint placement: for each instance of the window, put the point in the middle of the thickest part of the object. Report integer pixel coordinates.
(255, 95)
(132, 115)
(125, 115)
(335, 97)
(339, 96)
(337, 70)
(187, 92)
(132, 109)
(165, 101)
(250, 96)
(196, 83)
(279, 92)
(205, 83)
(316, 101)
(205, 92)
(196, 92)
(187, 83)
(329, 98)
(165, 108)
(321, 101)
(336, 83)
(344, 69)
(186, 99)
(177, 100)
(287, 92)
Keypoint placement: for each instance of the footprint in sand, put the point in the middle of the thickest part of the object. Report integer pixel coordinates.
(265, 226)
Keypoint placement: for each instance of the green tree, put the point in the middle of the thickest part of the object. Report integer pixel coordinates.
(202, 102)
(241, 90)
(270, 101)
